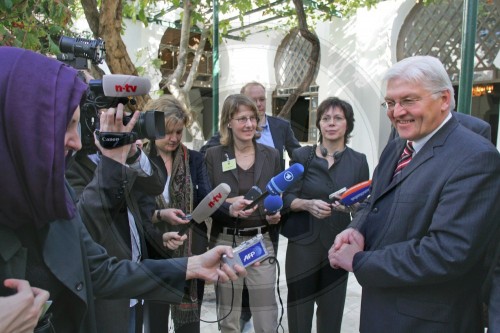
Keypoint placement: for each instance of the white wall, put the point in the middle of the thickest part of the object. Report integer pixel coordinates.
(355, 53)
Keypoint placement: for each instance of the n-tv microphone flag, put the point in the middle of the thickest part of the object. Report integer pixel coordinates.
(207, 206)
(120, 85)
(281, 182)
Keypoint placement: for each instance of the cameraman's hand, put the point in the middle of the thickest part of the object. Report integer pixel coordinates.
(207, 266)
(112, 121)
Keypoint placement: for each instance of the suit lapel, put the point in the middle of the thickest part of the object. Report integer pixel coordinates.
(386, 168)
(425, 154)
(260, 157)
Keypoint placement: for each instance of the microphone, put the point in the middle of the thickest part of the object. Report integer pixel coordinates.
(353, 194)
(207, 206)
(280, 183)
(253, 193)
(118, 85)
(272, 204)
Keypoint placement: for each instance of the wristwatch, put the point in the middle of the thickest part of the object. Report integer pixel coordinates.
(158, 216)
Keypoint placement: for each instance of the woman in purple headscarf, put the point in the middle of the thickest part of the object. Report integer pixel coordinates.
(42, 238)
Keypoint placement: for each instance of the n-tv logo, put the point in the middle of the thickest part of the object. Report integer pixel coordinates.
(215, 199)
(126, 88)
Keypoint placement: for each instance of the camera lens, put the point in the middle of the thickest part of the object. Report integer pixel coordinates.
(150, 125)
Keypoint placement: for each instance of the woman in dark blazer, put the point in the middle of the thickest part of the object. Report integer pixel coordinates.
(242, 163)
(329, 166)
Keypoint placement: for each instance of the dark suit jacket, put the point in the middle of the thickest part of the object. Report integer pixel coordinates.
(86, 271)
(266, 166)
(282, 134)
(105, 191)
(494, 303)
(427, 234)
(475, 124)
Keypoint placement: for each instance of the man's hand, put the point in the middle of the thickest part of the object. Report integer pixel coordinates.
(172, 240)
(21, 311)
(342, 252)
(207, 266)
(111, 120)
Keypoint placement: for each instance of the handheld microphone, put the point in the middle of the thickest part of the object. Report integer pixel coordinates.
(273, 204)
(280, 183)
(354, 193)
(207, 206)
(253, 193)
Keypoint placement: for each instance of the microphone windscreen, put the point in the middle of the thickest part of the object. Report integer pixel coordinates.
(273, 203)
(118, 85)
(356, 193)
(279, 183)
(211, 203)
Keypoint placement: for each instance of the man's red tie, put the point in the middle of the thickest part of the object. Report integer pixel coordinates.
(405, 158)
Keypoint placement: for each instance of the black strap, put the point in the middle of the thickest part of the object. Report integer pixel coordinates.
(309, 160)
(110, 140)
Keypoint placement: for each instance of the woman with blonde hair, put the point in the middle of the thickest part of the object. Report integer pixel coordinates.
(186, 186)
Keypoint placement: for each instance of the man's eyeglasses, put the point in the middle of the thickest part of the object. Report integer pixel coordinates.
(243, 120)
(405, 103)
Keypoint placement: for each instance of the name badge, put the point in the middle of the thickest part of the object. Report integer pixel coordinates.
(229, 165)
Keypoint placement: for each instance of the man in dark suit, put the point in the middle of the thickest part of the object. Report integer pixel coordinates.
(276, 132)
(419, 244)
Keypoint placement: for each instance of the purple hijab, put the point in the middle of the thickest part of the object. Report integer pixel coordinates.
(38, 96)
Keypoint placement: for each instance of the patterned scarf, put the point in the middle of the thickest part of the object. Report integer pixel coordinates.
(180, 189)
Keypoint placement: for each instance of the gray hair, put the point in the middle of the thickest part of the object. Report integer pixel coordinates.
(424, 70)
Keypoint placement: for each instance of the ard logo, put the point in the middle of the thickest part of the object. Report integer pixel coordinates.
(249, 256)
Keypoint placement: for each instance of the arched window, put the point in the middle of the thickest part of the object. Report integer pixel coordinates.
(291, 66)
(436, 29)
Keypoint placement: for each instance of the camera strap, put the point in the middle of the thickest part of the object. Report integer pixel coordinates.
(110, 140)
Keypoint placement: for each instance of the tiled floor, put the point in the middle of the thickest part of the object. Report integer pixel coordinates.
(350, 322)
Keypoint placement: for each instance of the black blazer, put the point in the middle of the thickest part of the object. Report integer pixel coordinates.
(104, 191)
(87, 272)
(318, 183)
(267, 165)
(282, 134)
